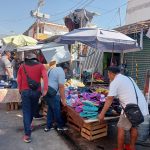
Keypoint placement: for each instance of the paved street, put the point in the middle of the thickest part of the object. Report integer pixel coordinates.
(11, 132)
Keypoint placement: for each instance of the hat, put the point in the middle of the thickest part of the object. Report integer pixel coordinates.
(52, 63)
(30, 56)
(114, 69)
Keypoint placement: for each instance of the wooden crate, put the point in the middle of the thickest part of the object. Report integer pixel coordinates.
(12, 106)
(72, 123)
(93, 131)
(71, 113)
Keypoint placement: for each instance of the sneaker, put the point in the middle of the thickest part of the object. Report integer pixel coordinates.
(62, 129)
(38, 117)
(26, 139)
(48, 129)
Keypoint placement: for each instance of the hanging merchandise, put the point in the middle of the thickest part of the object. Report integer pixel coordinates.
(148, 33)
(78, 18)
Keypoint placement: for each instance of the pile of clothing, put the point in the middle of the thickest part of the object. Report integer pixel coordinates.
(88, 103)
(98, 77)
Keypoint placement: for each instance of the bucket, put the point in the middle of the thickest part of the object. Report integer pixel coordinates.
(144, 130)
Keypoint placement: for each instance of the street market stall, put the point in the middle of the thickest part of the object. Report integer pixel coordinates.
(84, 105)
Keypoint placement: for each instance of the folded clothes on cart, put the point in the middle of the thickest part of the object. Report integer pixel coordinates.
(89, 108)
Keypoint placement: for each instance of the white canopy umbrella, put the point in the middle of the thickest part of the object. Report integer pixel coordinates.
(104, 40)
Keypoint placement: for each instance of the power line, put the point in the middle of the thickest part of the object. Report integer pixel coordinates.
(79, 4)
(106, 12)
(88, 3)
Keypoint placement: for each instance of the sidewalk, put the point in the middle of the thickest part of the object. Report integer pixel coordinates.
(11, 132)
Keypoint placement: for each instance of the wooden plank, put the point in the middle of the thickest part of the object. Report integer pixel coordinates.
(86, 131)
(95, 120)
(16, 106)
(85, 136)
(11, 106)
(99, 127)
(75, 116)
(73, 122)
(99, 136)
(70, 124)
(99, 131)
(90, 138)
(8, 106)
(93, 126)
(91, 132)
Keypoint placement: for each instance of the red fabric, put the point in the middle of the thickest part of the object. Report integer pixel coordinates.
(35, 72)
(41, 58)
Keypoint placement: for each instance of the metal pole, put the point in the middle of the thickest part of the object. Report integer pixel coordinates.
(119, 16)
(37, 22)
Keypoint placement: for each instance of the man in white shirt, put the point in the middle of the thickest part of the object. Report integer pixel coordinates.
(122, 87)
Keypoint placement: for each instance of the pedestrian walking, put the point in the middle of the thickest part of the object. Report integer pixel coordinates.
(125, 89)
(29, 76)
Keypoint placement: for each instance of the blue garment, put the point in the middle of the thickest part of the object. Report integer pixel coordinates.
(90, 108)
(54, 111)
(56, 76)
(30, 101)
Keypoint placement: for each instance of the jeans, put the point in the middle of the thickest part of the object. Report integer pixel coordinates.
(54, 111)
(30, 101)
(3, 77)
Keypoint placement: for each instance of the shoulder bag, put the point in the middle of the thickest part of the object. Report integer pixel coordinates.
(51, 91)
(133, 112)
(31, 83)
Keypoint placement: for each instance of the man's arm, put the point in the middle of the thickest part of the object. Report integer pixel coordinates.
(45, 80)
(62, 94)
(8, 72)
(108, 103)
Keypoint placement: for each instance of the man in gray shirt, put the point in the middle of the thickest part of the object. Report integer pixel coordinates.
(6, 70)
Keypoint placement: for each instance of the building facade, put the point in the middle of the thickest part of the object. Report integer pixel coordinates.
(44, 30)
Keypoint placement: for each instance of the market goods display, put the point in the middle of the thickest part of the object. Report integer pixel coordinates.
(89, 101)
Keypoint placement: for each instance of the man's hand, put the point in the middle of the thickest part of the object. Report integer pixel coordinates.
(44, 93)
(64, 102)
(101, 117)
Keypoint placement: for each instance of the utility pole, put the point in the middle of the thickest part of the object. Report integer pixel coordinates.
(39, 16)
(119, 13)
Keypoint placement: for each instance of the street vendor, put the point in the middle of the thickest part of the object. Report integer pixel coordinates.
(122, 87)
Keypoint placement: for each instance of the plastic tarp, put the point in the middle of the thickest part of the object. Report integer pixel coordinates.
(52, 50)
(57, 52)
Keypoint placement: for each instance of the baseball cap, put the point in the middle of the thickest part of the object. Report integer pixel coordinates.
(30, 56)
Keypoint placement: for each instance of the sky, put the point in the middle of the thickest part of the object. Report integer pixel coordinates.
(15, 14)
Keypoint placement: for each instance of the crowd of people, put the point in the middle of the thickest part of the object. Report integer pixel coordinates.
(32, 67)
(32, 72)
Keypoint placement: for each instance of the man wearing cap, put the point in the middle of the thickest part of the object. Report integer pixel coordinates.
(30, 97)
(6, 71)
(122, 87)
